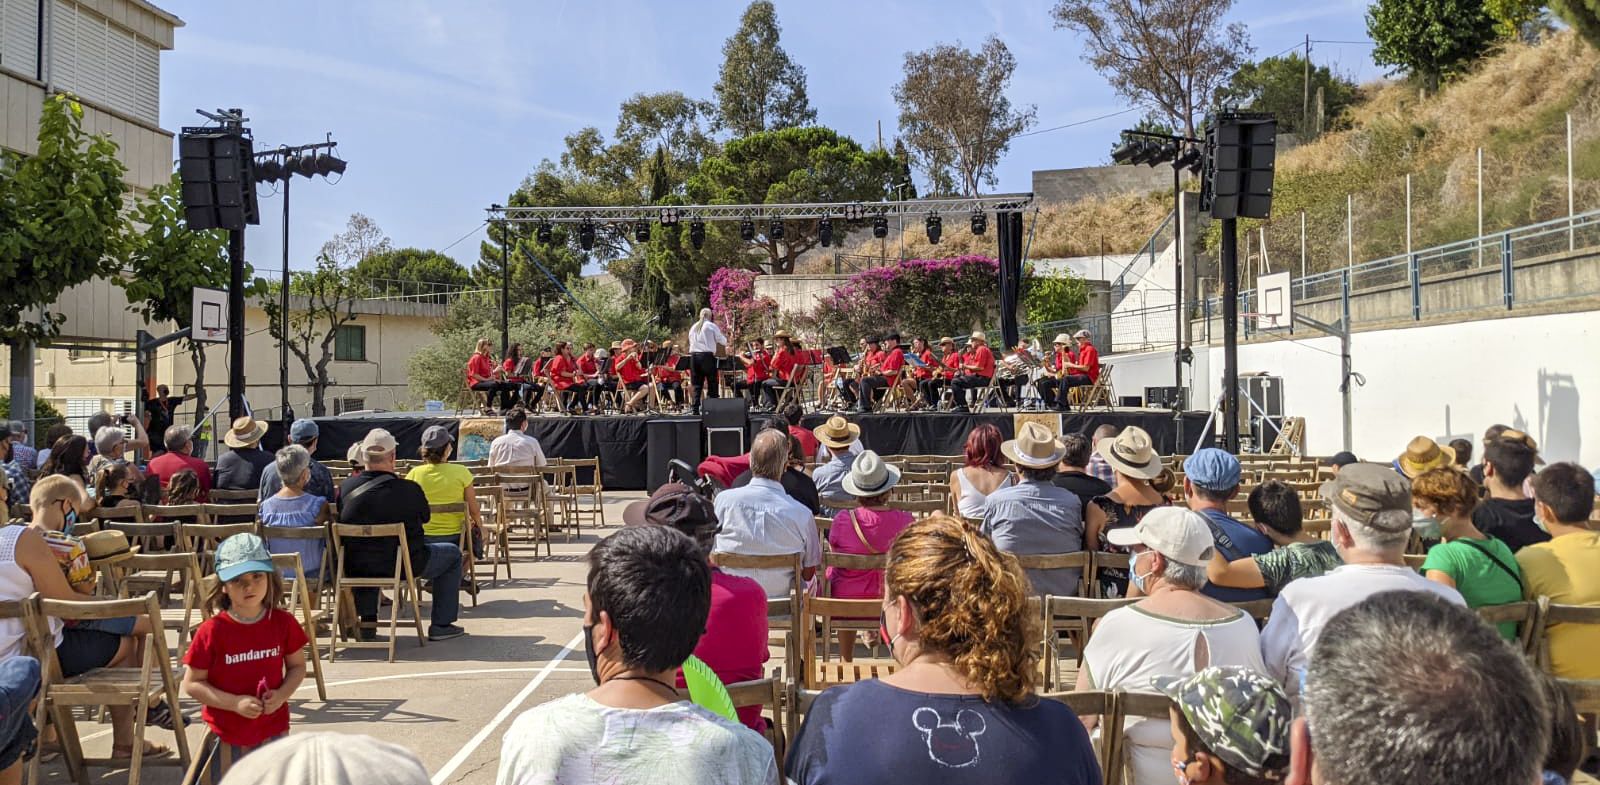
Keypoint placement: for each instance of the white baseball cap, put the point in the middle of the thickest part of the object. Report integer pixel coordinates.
(378, 442)
(1178, 534)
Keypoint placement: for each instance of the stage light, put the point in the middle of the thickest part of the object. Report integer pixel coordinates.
(1163, 154)
(854, 212)
(747, 230)
(586, 235)
(1189, 160)
(326, 164)
(980, 223)
(301, 165)
(825, 230)
(775, 229)
(269, 171)
(641, 231)
(935, 227)
(1143, 153)
(1126, 150)
(669, 216)
(880, 227)
(543, 232)
(697, 233)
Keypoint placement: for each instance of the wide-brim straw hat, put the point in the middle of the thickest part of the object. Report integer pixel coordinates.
(947, 340)
(1035, 447)
(837, 433)
(977, 335)
(870, 476)
(628, 345)
(1062, 339)
(1131, 453)
(246, 431)
(782, 334)
(1423, 454)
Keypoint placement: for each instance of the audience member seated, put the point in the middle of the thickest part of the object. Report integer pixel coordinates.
(52, 435)
(1275, 507)
(840, 438)
(376, 495)
(330, 759)
(734, 643)
(1461, 451)
(795, 481)
(448, 483)
(961, 707)
(111, 449)
(239, 469)
(1230, 726)
(1174, 630)
(1073, 473)
(68, 457)
(114, 485)
(1034, 516)
(1506, 514)
(1568, 743)
(761, 519)
(1371, 506)
(1490, 434)
(1567, 568)
(294, 505)
(1134, 464)
(179, 440)
(792, 413)
(516, 448)
(1422, 454)
(646, 604)
(1406, 687)
(1480, 567)
(1340, 460)
(867, 530)
(19, 686)
(982, 475)
(14, 480)
(1097, 461)
(1210, 481)
(303, 433)
(184, 488)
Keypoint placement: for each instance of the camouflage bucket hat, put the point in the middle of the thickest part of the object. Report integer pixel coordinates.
(1241, 715)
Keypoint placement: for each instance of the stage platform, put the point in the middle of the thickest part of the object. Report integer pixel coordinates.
(633, 449)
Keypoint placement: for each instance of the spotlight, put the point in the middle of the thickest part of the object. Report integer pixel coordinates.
(697, 233)
(854, 212)
(825, 230)
(1189, 159)
(775, 229)
(543, 232)
(935, 227)
(880, 227)
(269, 171)
(641, 231)
(1163, 154)
(586, 235)
(301, 165)
(1126, 150)
(747, 230)
(326, 164)
(669, 216)
(980, 223)
(1143, 152)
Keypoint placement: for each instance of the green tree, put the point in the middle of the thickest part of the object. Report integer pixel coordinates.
(44, 416)
(168, 261)
(955, 114)
(321, 300)
(61, 224)
(1278, 85)
(436, 370)
(759, 88)
(1171, 55)
(792, 165)
(1582, 15)
(1055, 298)
(428, 270)
(1429, 39)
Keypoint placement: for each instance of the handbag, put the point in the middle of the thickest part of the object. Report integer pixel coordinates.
(862, 535)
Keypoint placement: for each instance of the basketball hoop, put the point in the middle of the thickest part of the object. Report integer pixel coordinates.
(1265, 321)
(208, 319)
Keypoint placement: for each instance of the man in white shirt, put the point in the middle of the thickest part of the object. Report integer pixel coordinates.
(515, 448)
(761, 519)
(1371, 526)
(704, 338)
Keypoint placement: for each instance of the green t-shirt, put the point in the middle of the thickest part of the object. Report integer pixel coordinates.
(442, 483)
(1295, 560)
(1477, 577)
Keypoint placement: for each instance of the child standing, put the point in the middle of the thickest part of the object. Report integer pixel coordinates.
(247, 659)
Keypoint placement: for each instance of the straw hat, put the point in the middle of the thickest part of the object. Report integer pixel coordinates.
(1423, 454)
(1514, 435)
(246, 431)
(1035, 447)
(947, 340)
(837, 433)
(628, 345)
(977, 335)
(870, 476)
(108, 544)
(1062, 339)
(1131, 453)
(782, 334)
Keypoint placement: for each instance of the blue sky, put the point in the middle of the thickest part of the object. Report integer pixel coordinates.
(441, 108)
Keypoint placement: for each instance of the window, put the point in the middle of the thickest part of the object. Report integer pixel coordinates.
(350, 343)
(85, 355)
(345, 405)
(79, 410)
(19, 37)
(104, 62)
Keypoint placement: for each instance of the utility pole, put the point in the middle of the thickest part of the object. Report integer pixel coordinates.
(1305, 96)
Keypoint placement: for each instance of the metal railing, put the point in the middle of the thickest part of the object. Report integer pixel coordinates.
(1154, 245)
(389, 288)
(855, 262)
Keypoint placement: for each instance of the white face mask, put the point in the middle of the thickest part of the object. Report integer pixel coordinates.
(1426, 526)
(1134, 576)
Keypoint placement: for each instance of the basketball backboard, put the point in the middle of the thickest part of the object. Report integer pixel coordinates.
(1274, 302)
(209, 319)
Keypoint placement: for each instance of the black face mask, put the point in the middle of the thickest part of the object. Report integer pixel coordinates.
(588, 652)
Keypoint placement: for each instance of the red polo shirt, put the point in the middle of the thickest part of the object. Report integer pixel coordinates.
(1089, 357)
(629, 370)
(757, 371)
(925, 372)
(984, 359)
(479, 368)
(783, 363)
(893, 362)
(952, 365)
(667, 373)
(588, 365)
(560, 371)
(508, 366)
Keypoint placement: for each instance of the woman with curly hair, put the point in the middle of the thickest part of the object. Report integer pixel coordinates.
(961, 706)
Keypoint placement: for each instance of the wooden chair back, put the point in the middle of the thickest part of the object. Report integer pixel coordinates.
(129, 511)
(1526, 615)
(1073, 617)
(402, 582)
(1077, 560)
(1105, 561)
(768, 694)
(847, 561)
(1554, 614)
(202, 538)
(827, 616)
(224, 496)
(1095, 703)
(180, 568)
(301, 603)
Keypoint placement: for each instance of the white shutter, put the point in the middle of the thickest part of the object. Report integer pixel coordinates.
(92, 63)
(122, 54)
(64, 44)
(147, 81)
(79, 410)
(19, 37)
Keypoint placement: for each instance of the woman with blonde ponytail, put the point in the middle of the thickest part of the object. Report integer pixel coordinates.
(961, 707)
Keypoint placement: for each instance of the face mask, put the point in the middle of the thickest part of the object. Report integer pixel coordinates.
(1136, 578)
(1426, 526)
(883, 631)
(589, 654)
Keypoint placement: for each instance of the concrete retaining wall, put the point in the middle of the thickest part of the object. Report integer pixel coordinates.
(1058, 186)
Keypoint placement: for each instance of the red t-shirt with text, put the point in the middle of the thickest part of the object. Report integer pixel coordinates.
(237, 658)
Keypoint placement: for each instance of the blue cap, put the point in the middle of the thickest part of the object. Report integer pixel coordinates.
(1212, 469)
(240, 554)
(303, 431)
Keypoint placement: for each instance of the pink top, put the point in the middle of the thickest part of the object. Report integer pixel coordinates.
(881, 525)
(735, 641)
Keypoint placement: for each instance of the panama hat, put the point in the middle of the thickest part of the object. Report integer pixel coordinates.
(1062, 338)
(108, 544)
(947, 340)
(837, 433)
(246, 431)
(977, 335)
(1423, 454)
(1131, 453)
(782, 334)
(1035, 447)
(870, 476)
(1518, 437)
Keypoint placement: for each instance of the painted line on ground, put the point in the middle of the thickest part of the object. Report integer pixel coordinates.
(312, 684)
(472, 745)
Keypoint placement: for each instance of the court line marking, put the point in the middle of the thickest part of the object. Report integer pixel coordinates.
(472, 745)
(312, 684)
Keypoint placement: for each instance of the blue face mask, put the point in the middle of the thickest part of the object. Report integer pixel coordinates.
(1135, 577)
(1427, 527)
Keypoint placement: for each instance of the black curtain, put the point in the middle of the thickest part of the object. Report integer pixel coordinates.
(1010, 276)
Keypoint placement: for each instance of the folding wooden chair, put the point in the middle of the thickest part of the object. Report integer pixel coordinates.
(298, 601)
(831, 615)
(1074, 616)
(592, 491)
(180, 569)
(496, 548)
(280, 539)
(463, 540)
(203, 538)
(1133, 706)
(1103, 560)
(560, 501)
(1528, 617)
(129, 511)
(1098, 394)
(847, 561)
(768, 694)
(136, 687)
(1553, 614)
(1258, 610)
(1095, 703)
(795, 391)
(221, 496)
(524, 496)
(402, 582)
(781, 611)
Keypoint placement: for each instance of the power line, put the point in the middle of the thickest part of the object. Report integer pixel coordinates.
(470, 233)
(1357, 43)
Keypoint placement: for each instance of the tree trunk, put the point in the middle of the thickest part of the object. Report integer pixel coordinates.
(197, 356)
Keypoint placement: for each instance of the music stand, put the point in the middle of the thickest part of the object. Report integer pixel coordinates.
(839, 355)
(683, 363)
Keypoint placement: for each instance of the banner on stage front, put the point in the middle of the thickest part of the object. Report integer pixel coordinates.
(475, 435)
(1050, 420)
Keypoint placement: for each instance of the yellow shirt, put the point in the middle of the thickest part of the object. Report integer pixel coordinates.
(442, 483)
(1567, 570)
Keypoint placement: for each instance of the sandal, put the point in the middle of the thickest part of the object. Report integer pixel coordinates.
(151, 749)
(160, 715)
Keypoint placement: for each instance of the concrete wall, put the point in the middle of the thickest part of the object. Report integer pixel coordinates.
(1054, 186)
(1535, 373)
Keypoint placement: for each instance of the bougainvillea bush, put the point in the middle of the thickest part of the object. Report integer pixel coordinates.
(735, 306)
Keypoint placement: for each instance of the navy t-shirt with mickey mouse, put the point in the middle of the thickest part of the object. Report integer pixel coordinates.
(870, 732)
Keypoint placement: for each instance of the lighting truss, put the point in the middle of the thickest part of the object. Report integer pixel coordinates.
(914, 209)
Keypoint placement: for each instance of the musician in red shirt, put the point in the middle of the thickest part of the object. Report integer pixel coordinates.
(1054, 386)
(483, 376)
(977, 368)
(867, 365)
(939, 372)
(669, 380)
(891, 359)
(1086, 368)
(565, 378)
(784, 359)
(757, 369)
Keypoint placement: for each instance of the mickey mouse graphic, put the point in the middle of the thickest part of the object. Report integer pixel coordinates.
(950, 744)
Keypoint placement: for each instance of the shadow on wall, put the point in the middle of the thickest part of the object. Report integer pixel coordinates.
(1560, 430)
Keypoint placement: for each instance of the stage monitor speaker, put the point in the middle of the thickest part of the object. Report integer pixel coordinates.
(727, 423)
(1129, 401)
(1267, 394)
(1168, 397)
(1264, 431)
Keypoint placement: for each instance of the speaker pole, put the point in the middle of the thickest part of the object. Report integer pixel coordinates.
(236, 407)
(1230, 334)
